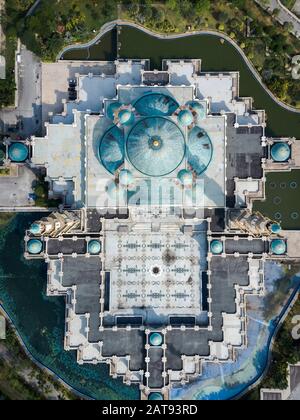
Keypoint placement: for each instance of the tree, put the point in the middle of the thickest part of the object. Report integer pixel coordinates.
(202, 6)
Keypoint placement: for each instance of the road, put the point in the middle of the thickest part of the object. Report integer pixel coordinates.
(29, 108)
(284, 15)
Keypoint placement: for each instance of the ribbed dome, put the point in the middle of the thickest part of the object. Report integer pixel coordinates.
(156, 104)
(216, 247)
(35, 229)
(278, 247)
(94, 247)
(280, 152)
(185, 177)
(199, 150)
(125, 117)
(125, 177)
(112, 149)
(155, 339)
(198, 108)
(185, 117)
(18, 152)
(112, 108)
(155, 146)
(34, 246)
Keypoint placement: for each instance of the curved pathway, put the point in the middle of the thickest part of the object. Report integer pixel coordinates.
(111, 25)
(284, 15)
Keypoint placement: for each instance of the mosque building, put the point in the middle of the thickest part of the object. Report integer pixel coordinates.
(156, 246)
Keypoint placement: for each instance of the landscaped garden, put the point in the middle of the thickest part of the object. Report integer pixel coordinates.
(55, 24)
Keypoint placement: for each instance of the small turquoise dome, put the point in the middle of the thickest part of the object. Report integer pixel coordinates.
(18, 152)
(216, 247)
(198, 108)
(94, 247)
(112, 108)
(125, 117)
(35, 229)
(280, 152)
(185, 177)
(154, 396)
(34, 246)
(275, 228)
(185, 117)
(278, 247)
(155, 339)
(125, 177)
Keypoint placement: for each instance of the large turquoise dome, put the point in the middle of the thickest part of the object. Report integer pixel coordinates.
(112, 149)
(155, 146)
(155, 339)
(94, 247)
(216, 247)
(278, 247)
(34, 246)
(280, 152)
(18, 152)
(199, 150)
(156, 104)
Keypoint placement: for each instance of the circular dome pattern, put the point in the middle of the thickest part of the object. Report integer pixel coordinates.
(280, 152)
(94, 247)
(185, 177)
(197, 107)
(155, 146)
(18, 152)
(112, 108)
(216, 247)
(199, 150)
(155, 339)
(185, 117)
(34, 246)
(156, 104)
(35, 229)
(125, 117)
(112, 149)
(278, 247)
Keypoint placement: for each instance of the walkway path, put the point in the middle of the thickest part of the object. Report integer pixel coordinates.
(32, 8)
(284, 15)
